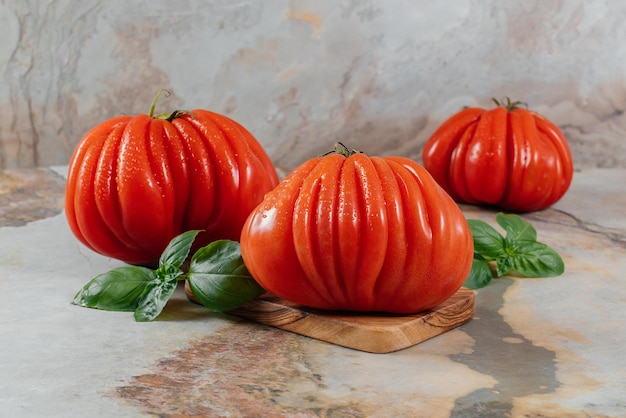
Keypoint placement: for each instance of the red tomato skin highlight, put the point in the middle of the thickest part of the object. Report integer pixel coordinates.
(507, 157)
(135, 182)
(359, 233)
(438, 152)
(485, 159)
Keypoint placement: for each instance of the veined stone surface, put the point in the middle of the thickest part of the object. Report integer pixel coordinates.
(536, 347)
(377, 75)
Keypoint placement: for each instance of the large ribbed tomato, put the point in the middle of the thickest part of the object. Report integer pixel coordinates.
(508, 157)
(350, 232)
(135, 182)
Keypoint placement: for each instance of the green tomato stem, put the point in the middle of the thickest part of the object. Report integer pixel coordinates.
(341, 149)
(165, 116)
(156, 99)
(508, 104)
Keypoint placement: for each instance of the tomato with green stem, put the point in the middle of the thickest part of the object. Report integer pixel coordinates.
(508, 157)
(135, 182)
(351, 232)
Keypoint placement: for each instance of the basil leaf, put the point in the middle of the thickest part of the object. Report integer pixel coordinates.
(117, 290)
(219, 279)
(158, 292)
(535, 259)
(516, 227)
(504, 264)
(154, 298)
(518, 251)
(479, 276)
(177, 250)
(488, 242)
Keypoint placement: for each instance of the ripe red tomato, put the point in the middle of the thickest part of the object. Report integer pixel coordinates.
(508, 157)
(350, 232)
(135, 182)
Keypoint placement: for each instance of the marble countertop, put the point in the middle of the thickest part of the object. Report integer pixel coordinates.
(535, 347)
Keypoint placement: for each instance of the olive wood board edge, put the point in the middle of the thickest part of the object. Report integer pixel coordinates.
(374, 333)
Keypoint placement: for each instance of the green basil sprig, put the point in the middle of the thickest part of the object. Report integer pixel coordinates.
(519, 251)
(217, 278)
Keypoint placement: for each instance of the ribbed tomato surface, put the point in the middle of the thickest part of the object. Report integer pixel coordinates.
(507, 157)
(135, 182)
(359, 233)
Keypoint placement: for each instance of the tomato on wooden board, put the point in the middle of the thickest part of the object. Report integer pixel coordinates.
(350, 232)
(507, 157)
(135, 182)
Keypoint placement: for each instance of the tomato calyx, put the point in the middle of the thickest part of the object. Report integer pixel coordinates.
(166, 116)
(508, 104)
(341, 149)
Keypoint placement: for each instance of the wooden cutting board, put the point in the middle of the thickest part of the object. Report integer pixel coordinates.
(374, 333)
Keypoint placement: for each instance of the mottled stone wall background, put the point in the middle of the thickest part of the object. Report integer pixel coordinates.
(379, 75)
